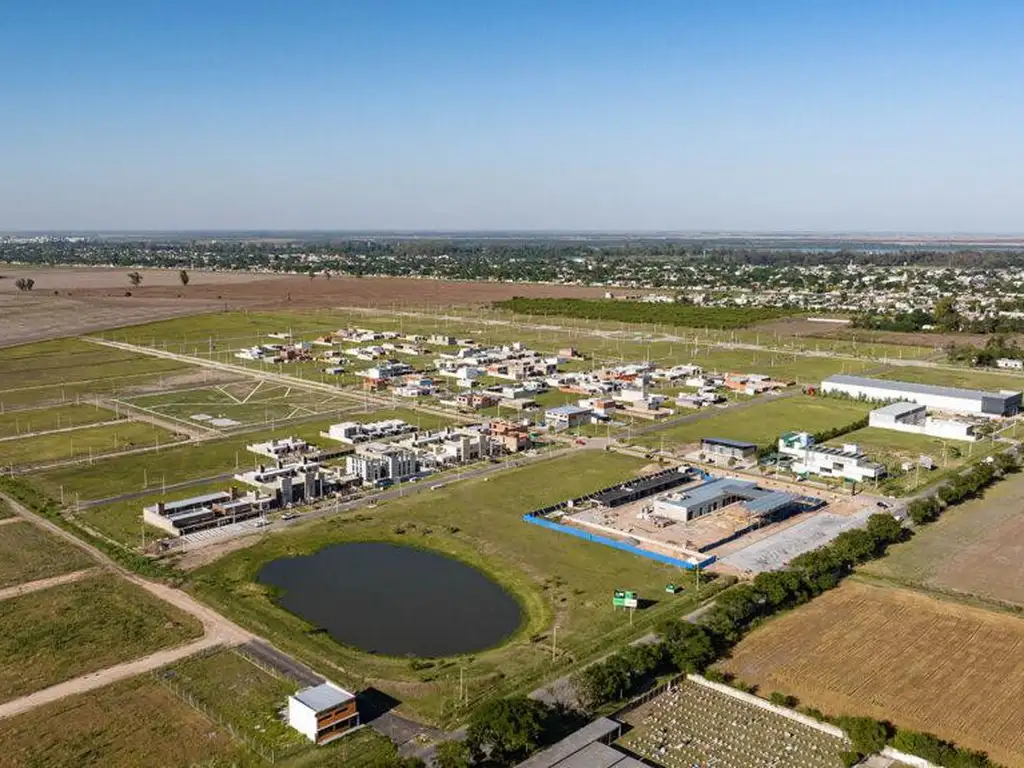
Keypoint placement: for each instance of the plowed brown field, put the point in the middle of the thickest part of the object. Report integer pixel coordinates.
(896, 655)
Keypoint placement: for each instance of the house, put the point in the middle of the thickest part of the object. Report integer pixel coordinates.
(476, 400)
(323, 712)
(1010, 363)
(279, 448)
(721, 448)
(568, 416)
(511, 437)
(846, 463)
(373, 462)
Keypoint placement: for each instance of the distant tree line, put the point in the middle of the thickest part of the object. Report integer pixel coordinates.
(944, 318)
(643, 312)
(995, 348)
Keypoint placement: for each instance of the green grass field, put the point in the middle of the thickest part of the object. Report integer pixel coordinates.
(125, 474)
(13, 423)
(61, 370)
(63, 632)
(84, 442)
(5, 510)
(761, 423)
(28, 553)
(555, 577)
(238, 692)
(135, 722)
(970, 378)
(247, 402)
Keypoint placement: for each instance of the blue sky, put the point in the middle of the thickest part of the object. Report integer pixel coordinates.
(902, 115)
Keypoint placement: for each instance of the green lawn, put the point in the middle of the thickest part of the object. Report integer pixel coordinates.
(132, 723)
(66, 631)
(59, 417)
(81, 443)
(761, 423)
(555, 577)
(28, 553)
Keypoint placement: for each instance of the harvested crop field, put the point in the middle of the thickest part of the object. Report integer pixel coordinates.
(975, 548)
(891, 654)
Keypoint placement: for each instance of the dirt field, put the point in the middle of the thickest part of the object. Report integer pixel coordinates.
(974, 548)
(70, 301)
(896, 655)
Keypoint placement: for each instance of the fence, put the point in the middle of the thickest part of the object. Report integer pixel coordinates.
(272, 756)
(536, 519)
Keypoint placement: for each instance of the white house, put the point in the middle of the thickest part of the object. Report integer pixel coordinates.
(323, 712)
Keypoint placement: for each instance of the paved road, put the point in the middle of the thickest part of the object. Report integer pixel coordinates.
(153, 489)
(39, 584)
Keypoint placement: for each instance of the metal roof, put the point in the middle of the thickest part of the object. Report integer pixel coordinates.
(595, 755)
(729, 443)
(898, 409)
(916, 389)
(324, 696)
(772, 501)
(569, 410)
(195, 501)
(712, 490)
(600, 729)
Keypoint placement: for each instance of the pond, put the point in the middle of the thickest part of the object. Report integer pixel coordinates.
(394, 600)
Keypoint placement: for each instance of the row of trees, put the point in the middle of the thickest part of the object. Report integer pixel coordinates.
(995, 348)
(643, 312)
(961, 487)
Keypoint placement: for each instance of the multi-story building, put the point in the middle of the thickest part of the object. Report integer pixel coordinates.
(374, 462)
(846, 463)
(322, 713)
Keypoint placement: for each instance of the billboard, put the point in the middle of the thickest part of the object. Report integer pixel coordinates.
(623, 598)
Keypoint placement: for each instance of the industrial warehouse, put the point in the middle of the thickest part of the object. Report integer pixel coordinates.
(966, 401)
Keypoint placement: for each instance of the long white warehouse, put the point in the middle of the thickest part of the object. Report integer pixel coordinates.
(1002, 403)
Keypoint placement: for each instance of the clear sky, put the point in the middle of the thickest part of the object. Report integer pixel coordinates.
(828, 115)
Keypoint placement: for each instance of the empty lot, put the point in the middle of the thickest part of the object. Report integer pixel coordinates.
(897, 655)
(975, 548)
(28, 553)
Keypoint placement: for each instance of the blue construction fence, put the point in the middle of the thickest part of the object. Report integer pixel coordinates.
(536, 519)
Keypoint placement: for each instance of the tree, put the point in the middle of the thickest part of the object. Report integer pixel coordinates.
(183, 276)
(453, 754)
(506, 730)
(135, 278)
(868, 736)
(689, 647)
(24, 283)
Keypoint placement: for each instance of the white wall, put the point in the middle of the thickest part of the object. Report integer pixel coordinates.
(302, 718)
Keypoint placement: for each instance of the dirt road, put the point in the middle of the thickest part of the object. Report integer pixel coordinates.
(40, 584)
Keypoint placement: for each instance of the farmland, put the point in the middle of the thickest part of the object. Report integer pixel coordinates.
(477, 521)
(88, 442)
(923, 664)
(63, 632)
(760, 423)
(27, 553)
(972, 549)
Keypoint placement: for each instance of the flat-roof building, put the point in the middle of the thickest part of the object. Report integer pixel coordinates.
(323, 712)
(913, 418)
(586, 748)
(568, 416)
(721, 492)
(719, 447)
(846, 463)
(1002, 403)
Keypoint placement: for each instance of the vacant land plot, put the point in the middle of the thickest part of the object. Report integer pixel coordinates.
(970, 378)
(891, 654)
(28, 553)
(243, 402)
(695, 725)
(125, 725)
(479, 521)
(893, 449)
(761, 423)
(67, 631)
(13, 423)
(238, 692)
(974, 548)
(5, 510)
(83, 443)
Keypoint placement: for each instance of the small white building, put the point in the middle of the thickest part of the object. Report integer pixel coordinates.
(1010, 363)
(323, 712)
(567, 416)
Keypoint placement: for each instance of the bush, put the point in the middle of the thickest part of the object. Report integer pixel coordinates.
(867, 736)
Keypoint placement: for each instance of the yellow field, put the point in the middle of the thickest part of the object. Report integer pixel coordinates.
(896, 655)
